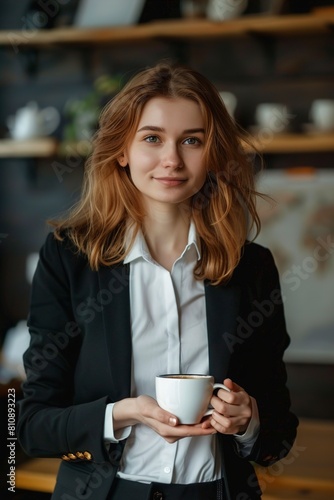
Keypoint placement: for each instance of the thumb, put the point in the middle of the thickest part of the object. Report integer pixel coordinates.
(173, 421)
(167, 418)
(232, 385)
(155, 411)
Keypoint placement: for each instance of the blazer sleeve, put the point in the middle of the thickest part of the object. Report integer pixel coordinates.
(258, 363)
(49, 423)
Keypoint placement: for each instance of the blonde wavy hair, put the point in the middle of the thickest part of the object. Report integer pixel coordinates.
(224, 210)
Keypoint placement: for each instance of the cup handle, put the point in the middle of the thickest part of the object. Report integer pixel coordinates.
(221, 386)
(216, 386)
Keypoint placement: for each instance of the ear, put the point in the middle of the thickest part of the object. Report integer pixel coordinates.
(122, 160)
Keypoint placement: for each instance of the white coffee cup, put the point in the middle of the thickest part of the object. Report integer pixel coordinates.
(322, 114)
(220, 10)
(187, 396)
(272, 116)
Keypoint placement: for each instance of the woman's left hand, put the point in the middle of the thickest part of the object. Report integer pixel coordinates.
(232, 410)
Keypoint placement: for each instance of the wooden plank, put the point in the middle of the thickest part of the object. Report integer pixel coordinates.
(265, 25)
(264, 143)
(37, 474)
(72, 35)
(307, 472)
(295, 483)
(172, 29)
(268, 142)
(297, 495)
(36, 148)
(316, 459)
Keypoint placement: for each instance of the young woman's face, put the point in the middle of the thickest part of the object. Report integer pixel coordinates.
(165, 156)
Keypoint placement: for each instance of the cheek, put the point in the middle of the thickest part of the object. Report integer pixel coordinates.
(201, 175)
(141, 161)
(200, 180)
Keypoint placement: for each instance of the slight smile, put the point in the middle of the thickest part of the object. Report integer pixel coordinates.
(170, 181)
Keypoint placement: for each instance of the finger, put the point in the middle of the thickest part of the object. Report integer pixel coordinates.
(179, 432)
(237, 396)
(223, 408)
(165, 417)
(182, 431)
(232, 385)
(223, 396)
(206, 424)
(229, 383)
(239, 407)
(222, 424)
(153, 410)
(226, 425)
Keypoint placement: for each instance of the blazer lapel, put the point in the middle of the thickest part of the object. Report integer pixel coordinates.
(222, 308)
(114, 281)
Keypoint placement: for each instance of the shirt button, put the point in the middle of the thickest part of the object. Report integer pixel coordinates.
(167, 470)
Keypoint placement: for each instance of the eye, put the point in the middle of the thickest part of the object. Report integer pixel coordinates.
(192, 141)
(152, 138)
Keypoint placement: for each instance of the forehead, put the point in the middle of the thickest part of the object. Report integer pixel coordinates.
(160, 111)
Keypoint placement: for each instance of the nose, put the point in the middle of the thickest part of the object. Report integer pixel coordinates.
(171, 157)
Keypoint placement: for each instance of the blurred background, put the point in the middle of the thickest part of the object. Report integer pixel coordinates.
(272, 61)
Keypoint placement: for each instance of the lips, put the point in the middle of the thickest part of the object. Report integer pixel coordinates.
(170, 181)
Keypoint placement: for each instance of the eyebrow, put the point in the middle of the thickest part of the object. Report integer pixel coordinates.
(160, 129)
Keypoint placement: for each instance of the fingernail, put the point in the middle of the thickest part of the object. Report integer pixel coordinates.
(172, 421)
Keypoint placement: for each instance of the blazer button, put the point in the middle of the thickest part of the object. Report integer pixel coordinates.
(157, 495)
(87, 455)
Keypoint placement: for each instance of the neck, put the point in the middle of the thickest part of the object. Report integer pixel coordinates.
(166, 234)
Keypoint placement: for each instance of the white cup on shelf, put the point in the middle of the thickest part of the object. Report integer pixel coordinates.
(272, 116)
(322, 114)
(221, 10)
(230, 101)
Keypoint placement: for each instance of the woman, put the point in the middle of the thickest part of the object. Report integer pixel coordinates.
(152, 273)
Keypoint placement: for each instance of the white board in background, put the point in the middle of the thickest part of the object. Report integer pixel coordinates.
(299, 230)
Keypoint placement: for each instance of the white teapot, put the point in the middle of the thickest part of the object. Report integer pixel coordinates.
(30, 121)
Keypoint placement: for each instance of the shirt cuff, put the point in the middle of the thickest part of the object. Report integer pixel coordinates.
(109, 435)
(246, 441)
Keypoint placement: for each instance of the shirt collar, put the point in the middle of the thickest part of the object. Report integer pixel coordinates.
(192, 239)
(140, 249)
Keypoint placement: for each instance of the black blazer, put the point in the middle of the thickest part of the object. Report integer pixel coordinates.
(79, 360)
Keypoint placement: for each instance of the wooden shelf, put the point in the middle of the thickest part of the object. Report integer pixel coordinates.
(38, 474)
(33, 148)
(295, 143)
(174, 29)
(305, 473)
(275, 144)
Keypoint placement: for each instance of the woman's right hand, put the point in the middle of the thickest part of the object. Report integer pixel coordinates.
(145, 410)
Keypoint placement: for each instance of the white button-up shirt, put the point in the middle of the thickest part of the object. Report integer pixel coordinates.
(169, 335)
